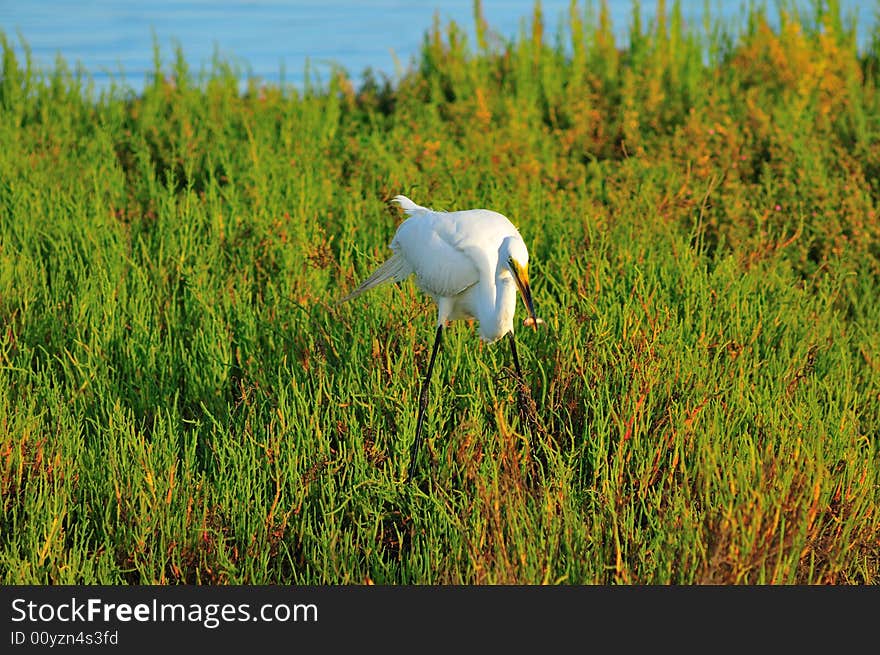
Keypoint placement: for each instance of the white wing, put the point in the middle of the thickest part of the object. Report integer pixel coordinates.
(441, 248)
(431, 244)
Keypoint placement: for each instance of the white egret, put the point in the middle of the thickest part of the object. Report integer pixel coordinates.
(471, 263)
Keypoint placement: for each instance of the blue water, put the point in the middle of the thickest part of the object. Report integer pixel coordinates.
(274, 40)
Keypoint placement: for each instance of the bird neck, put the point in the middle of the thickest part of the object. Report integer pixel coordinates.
(497, 306)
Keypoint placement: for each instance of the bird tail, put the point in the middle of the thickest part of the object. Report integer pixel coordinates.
(394, 269)
(408, 205)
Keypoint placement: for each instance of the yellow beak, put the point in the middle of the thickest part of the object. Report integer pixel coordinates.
(521, 277)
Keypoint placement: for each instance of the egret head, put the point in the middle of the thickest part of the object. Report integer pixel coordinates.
(516, 258)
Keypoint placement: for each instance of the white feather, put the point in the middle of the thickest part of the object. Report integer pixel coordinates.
(394, 269)
(460, 259)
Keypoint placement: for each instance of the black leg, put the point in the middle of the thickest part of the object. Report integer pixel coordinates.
(522, 390)
(516, 367)
(423, 403)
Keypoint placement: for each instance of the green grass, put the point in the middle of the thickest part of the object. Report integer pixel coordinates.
(182, 401)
